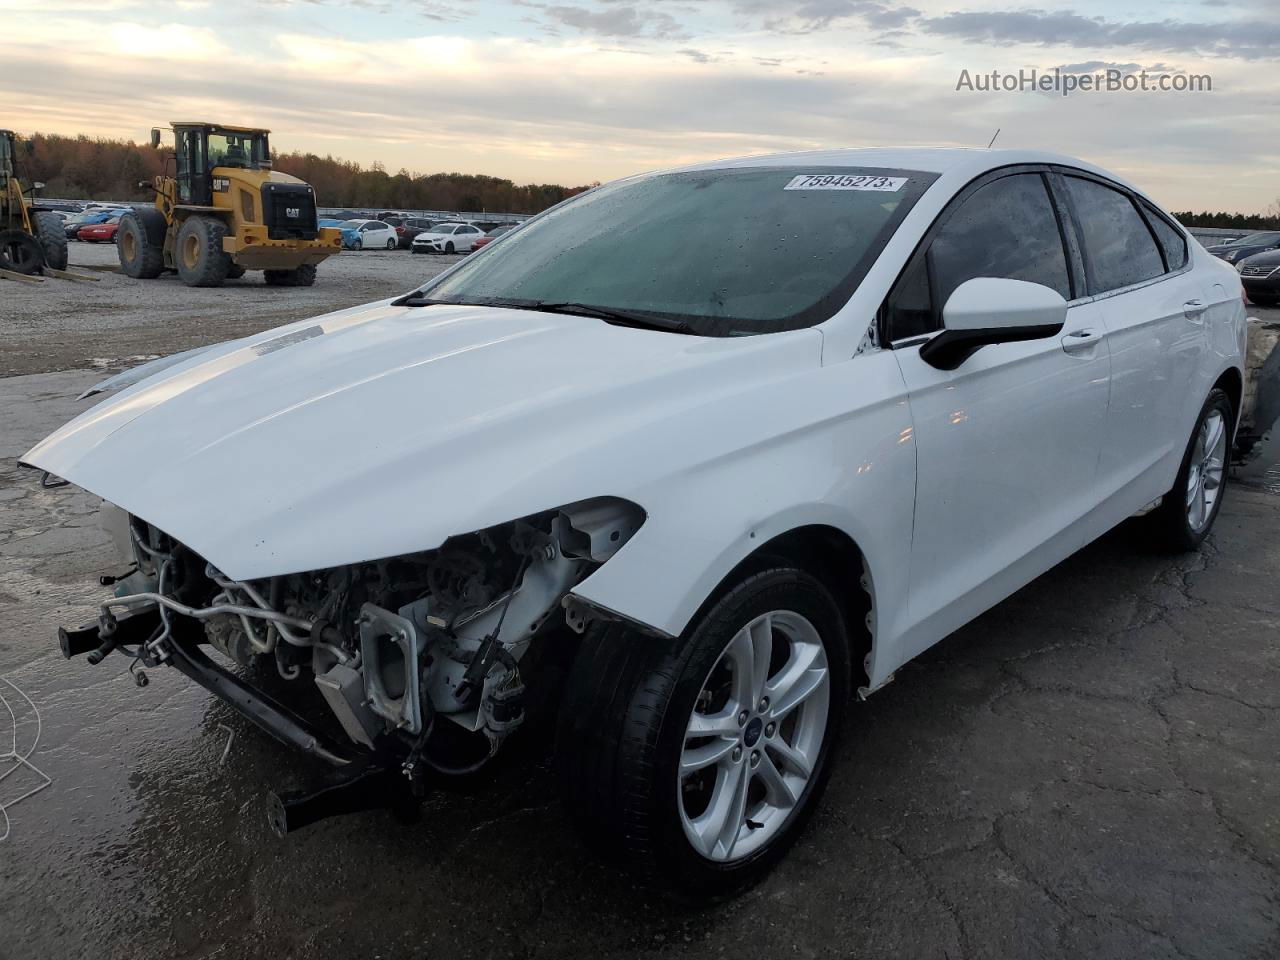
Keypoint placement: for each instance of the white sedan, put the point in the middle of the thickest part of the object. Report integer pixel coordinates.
(447, 238)
(725, 492)
(369, 235)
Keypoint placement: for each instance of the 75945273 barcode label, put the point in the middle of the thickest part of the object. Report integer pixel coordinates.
(840, 181)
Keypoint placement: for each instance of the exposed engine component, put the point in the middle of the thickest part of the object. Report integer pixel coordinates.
(393, 645)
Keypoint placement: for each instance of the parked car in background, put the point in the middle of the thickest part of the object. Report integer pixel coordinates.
(411, 227)
(448, 237)
(371, 234)
(1260, 275)
(492, 235)
(86, 219)
(724, 487)
(103, 232)
(328, 222)
(1246, 246)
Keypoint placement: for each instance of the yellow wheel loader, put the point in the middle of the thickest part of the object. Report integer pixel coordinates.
(32, 240)
(225, 211)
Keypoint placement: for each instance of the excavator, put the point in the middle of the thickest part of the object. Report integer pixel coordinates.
(223, 211)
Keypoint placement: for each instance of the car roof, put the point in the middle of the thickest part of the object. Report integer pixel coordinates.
(953, 163)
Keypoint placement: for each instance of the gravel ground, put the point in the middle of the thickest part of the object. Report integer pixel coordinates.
(61, 325)
(1089, 769)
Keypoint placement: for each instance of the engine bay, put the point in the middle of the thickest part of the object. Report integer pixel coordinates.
(418, 657)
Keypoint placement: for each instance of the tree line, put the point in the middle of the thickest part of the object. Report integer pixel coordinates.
(1233, 221)
(95, 168)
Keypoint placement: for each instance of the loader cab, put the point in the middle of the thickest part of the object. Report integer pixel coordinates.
(199, 148)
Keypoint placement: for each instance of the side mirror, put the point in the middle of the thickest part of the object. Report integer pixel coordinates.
(155, 138)
(38, 185)
(988, 310)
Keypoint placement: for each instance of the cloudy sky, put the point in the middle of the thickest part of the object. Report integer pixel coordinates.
(572, 91)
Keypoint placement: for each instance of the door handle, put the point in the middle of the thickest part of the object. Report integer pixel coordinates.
(1081, 341)
(1193, 309)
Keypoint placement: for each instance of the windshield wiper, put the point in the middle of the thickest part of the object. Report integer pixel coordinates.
(624, 317)
(416, 299)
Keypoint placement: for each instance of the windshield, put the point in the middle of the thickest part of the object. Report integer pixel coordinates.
(727, 252)
(228, 148)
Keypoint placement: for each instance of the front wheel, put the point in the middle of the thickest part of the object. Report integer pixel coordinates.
(1186, 515)
(198, 252)
(303, 276)
(700, 758)
(448, 247)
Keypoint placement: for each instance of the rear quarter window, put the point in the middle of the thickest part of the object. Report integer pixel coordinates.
(1171, 239)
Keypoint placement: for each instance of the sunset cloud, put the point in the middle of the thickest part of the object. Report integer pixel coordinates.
(584, 90)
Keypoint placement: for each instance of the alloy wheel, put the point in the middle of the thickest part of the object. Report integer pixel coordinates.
(1204, 478)
(753, 740)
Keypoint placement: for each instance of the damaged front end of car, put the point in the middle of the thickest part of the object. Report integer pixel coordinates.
(427, 662)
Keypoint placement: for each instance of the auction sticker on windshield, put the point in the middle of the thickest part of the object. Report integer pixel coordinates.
(838, 181)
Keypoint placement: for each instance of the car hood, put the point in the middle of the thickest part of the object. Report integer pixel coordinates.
(384, 430)
(1269, 259)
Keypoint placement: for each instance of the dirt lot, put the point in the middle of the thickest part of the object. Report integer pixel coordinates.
(1088, 770)
(59, 325)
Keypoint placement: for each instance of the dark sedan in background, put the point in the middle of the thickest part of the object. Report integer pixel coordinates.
(1260, 275)
(1246, 246)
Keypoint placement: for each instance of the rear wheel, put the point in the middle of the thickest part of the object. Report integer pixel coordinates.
(303, 276)
(51, 234)
(392, 244)
(699, 759)
(1186, 515)
(198, 252)
(140, 244)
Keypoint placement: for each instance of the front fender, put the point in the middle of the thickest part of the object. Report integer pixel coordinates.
(853, 469)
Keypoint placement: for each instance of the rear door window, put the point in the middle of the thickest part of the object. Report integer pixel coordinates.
(1006, 229)
(1119, 250)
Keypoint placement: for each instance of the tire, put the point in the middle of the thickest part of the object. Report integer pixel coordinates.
(448, 247)
(52, 237)
(140, 243)
(303, 276)
(627, 706)
(235, 271)
(1178, 523)
(392, 244)
(20, 252)
(357, 244)
(198, 252)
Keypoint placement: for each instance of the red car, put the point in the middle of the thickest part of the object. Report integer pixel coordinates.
(491, 236)
(104, 232)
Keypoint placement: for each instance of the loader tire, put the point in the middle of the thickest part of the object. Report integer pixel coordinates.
(20, 252)
(235, 271)
(198, 254)
(51, 233)
(140, 243)
(303, 276)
